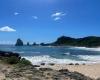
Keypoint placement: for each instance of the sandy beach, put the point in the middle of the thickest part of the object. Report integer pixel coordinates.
(91, 70)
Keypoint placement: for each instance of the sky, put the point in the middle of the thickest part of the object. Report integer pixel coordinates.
(46, 20)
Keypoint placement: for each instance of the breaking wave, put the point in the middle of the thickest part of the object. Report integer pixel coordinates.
(85, 48)
(92, 58)
(47, 59)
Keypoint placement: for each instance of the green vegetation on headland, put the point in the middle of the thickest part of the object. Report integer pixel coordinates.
(90, 41)
(13, 67)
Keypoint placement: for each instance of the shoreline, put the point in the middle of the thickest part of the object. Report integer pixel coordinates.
(11, 69)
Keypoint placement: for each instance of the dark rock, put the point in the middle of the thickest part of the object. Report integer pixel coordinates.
(77, 76)
(71, 64)
(52, 64)
(19, 42)
(36, 79)
(76, 63)
(14, 75)
(42, 63)
(9, 57)
(34, 44)
(63, 70)
(9, 54)
(45, 69)
(42, 44)
(28, 43)
(36, 65)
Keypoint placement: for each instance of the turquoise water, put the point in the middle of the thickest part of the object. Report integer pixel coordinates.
(38, 54)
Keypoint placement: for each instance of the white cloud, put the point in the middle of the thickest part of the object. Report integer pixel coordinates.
(7, 29)
(58, 15)
(34, 17)
(57, 18)
(16, 13)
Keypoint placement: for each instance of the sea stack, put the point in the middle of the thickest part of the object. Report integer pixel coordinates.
(19, 42)
(28, 44)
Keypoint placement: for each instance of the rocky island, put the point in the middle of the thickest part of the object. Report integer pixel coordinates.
(19, 42)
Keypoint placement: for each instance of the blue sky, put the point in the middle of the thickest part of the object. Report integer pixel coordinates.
(45, 20)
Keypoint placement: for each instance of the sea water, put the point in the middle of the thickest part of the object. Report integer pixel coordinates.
(56, 54)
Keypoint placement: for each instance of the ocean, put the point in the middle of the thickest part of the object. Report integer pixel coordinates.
(56, 54)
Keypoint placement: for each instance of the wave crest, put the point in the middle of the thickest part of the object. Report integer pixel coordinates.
(47, 59)
(85, 48)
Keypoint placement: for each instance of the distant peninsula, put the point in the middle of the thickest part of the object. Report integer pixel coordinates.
(89, 41)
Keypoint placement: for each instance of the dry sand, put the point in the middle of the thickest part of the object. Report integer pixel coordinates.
(2, 76)
(91, 70)
(4, 67)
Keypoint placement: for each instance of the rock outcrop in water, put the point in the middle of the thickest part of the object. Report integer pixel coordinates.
(28, 44)
(19, 42)
(35, 44)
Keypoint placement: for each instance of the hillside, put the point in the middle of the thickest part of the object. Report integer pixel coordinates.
(90, 41)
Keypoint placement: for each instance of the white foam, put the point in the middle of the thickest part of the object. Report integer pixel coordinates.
(19, 52)
(24, 52)
(68, 53)
(34, 52)
(47, 59)
(85, 48)
(92, 58)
